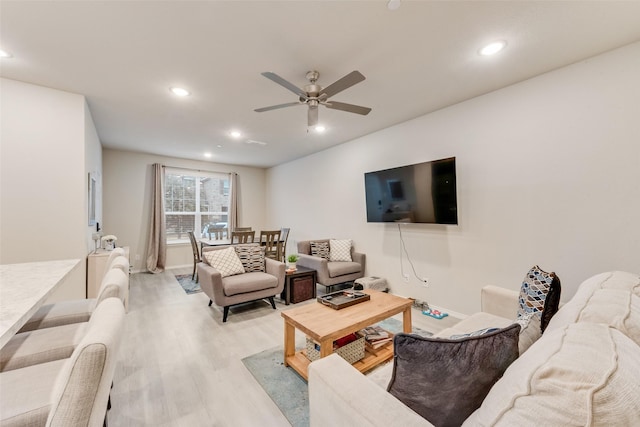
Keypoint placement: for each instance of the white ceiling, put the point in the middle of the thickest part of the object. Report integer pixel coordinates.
(124, 55)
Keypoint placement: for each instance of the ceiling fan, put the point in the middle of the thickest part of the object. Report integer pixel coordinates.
(314, 95)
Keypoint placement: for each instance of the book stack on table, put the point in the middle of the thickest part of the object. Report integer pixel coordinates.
(375, 337)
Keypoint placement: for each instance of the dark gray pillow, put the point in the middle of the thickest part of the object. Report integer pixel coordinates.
(445, 380)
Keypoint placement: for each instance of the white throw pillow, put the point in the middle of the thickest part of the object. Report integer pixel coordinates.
(340, 250)
(226, 261)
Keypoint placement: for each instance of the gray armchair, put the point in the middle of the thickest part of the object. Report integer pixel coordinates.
(240, 288)
(331, 273)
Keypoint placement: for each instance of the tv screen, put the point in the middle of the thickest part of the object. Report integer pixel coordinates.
(420, 193)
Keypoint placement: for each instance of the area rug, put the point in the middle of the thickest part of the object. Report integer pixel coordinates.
(190, 286)
(285, 387)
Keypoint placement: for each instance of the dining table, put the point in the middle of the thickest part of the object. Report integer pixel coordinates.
(224, 242)
(24, 288)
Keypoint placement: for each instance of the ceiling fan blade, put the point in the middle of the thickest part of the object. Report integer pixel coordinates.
(275, 107)
(282, 82)
(344, 83)
(335, 105)
(312, 116)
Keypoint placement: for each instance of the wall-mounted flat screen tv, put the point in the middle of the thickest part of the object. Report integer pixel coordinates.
(420, 193)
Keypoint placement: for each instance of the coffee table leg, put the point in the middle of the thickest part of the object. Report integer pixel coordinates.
(289, 341)
(326, 348)
(406, 320)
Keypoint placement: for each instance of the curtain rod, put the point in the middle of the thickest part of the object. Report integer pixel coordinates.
(194, 170)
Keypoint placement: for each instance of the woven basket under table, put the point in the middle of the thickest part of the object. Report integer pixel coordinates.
(351, 352)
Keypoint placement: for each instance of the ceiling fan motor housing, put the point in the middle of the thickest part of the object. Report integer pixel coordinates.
(314, 95)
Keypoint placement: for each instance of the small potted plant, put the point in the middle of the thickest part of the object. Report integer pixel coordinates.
(291, 260)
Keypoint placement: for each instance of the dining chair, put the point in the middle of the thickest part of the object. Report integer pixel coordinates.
(284, 236)
(242, 237)
(270, 239)
(72, 391)
(196, 254)
(218, 233)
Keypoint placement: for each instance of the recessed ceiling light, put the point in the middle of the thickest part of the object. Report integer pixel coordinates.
(493, 48)
(207, 155)
(320, 128)
(5, 54)
(178, 91)
(219, 145)
(393, 4)
(235, 134)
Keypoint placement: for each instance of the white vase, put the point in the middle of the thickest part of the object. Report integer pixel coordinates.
(292, 266)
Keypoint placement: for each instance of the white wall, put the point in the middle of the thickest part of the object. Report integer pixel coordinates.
(93, 164)
(127, 200)
(548, 173)
(45, 136)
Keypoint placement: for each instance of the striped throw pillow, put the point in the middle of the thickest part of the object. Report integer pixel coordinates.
(320, 249)
(251, 256)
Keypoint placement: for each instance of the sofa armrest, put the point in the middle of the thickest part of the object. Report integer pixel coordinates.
(210, 281)
(339, 395)
(276, 268)
(319, 264)
(499, 301)
(360, 258)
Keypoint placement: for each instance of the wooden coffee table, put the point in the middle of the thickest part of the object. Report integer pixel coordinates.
(325, 325)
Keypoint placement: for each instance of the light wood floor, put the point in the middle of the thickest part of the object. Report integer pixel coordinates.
(179, 365)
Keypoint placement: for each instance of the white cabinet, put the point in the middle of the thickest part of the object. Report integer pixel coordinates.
(96, 263)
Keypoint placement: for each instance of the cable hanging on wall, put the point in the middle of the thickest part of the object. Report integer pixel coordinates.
(403, 248)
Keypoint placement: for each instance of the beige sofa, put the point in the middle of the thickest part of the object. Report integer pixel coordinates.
(584, 369)
(240, 288)
(331, 273)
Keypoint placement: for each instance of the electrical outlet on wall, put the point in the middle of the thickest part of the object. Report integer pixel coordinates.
(137, 257)
(405, 276)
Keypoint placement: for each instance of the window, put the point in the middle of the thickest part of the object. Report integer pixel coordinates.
(195, 201)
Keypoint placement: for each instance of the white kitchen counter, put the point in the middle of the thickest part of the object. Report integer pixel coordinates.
(24, 288)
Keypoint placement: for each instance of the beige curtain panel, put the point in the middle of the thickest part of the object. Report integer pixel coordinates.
(157, 245)
(233, 201)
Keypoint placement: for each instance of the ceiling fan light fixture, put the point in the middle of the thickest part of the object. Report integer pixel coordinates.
(235, 134)
(493, 48)
(5, 54)
(178, 91)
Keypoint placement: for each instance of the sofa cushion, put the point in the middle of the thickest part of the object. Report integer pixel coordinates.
(446, 380)
(613, 280)
(581, 374)
(529, 327)
(617, 308)
(320, 249)
(248, 282)
(225, 260)
(539, 294)
(340, 268)
(340, 250)
(251, 256)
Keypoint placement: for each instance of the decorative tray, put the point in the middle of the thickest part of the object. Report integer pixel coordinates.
(342, 299)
